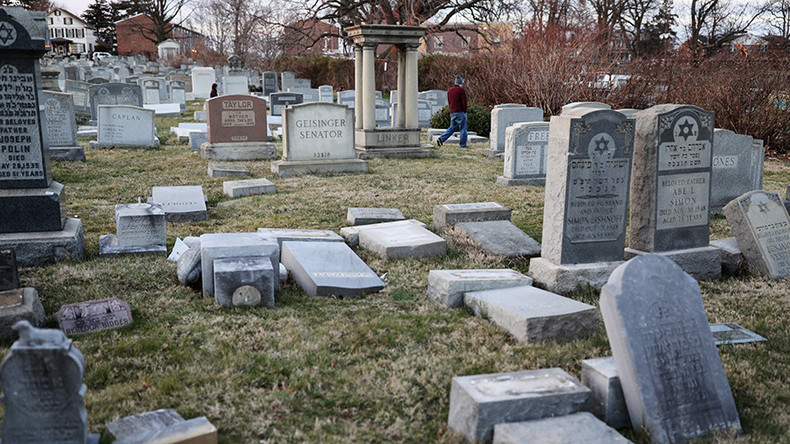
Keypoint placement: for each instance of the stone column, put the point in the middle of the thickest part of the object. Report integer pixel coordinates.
(369, 86)
(401, 118)
(358, 95)
(410, 102)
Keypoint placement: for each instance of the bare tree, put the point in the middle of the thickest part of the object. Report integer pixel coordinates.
(779, 18)
(716, 23)
(634, 18)
(162, 14)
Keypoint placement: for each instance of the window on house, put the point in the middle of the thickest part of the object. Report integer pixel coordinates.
(68, 21)
(56, 12)
(438, 41)
(52, 33)
(77, 48)
(80, 33)
(51, 21)
(59, 32)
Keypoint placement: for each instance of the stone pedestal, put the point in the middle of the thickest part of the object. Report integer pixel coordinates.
(389, 142)
(285, 168)
(18, 305)
(567, 278)
(44, 247)
(702, 263)
(238, 151)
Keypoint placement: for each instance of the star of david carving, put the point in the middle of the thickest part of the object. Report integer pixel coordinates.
(685, 129)
(7, 34)
(601, 145)
(763, 207)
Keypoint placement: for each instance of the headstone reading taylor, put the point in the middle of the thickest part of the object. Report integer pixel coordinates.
(318, 138)
(672, 378)
(237, 129)
(671, 188)
(30, 201)
(584, 217)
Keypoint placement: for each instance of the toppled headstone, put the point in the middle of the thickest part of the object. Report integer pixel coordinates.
(164, 426)
(607, 403)
(672, 378)
(577, 427)
(531, 314)
(367, 216)
(448, 286)
(733, 334)
(181, 203)
(732, 261)
(297, 235)
(140, 228)
(93, 316)
(227, 169)
(233, 245)
(761, 226)
(179, 248)
(248, 187)
(43, 393)
(351, 234)
(499, 237)
(449, 214)
(399, 241)
(479, 402)
(189, 269)
(329, 269)
(244, 281)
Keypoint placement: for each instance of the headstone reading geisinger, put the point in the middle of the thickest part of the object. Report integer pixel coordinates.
(672, 378)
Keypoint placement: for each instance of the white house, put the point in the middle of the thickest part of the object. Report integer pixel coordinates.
(69, 34)
(168, 49)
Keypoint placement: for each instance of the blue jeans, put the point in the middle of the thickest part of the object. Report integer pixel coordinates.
(457, 123)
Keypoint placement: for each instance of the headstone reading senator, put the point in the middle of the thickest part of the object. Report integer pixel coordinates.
(61, 127)
(318, 138)
(30, 201)
(526, 152)
(237, 129)
(672, 378)
(584, 216)
(761, 226)
(670, 189)
(43, 393)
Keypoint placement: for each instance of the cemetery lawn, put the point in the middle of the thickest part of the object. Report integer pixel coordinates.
(373, 369)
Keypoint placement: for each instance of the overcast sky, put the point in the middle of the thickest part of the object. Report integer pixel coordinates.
(76, 7)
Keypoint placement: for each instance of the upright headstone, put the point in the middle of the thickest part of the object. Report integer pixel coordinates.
(287, 80)
(178, 94)
(140, 228)
(576, 105)
(150, 91)
(125, 125)
(672, 378)
(526, 153)
(586, 205)
(281, 100)
(737, 167)
(235, 84)
(61, 127)
(326, 94)
(202, 79)
(115, 94)
(347, 98)
(237, 129)
(502, 116)
(318, 138)
(42, 387)
(269, 83)
(30, 201)
(670, 189)
(79, 91)
(761, 226)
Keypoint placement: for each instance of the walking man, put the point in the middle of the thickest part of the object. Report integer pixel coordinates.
(456, 98)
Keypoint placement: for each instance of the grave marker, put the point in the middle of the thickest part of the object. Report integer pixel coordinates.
(237, 129)
(526, 154)
(125, 125)
(736, 167)
(61, 127)
(115, 94)
(502, 116)
(140, 228)
(181, 203)
(93, 316)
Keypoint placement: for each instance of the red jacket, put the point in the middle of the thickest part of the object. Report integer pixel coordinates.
(456, 98)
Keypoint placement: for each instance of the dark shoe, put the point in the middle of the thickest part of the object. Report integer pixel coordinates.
(463, 146)
(439, 142)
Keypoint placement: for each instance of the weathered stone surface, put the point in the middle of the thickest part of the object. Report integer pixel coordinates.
(42, 387)
(124, 125)
(32, 209)
(234, 151)
(181, 203)
(761, 226)
(732, 261)
(231, 245)
(115, 94)
(297, 235)
(447, 287)
(189, 268)
(737, 167)
(574, 106)
(34, 249)
(143, 423)
(248, 187)
(226, 170)
(500, 237)
(191, 431)
(479, 402)
(61, 127)
(284, 168)
(21, 304)
(502, 116)
(449, 214)
(93, 316)
(531, 314)
(526, 151)
(244, 281)
(351, 234)
(560, 430)
(202, 78)
(318, 131)
(407, 240)
(367, 216)
(329, 269)
(236, 118)
(672, 378)
(733, 334)
(608, 402)
(568, 278)
(140, 225)
(703, 264)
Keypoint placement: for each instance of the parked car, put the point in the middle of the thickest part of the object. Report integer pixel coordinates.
(98, 56)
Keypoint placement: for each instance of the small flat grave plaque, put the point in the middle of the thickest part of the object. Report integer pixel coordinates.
(92, 316)
(733, 334)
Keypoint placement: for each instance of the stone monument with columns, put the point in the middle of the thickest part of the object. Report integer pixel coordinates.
(403, 140)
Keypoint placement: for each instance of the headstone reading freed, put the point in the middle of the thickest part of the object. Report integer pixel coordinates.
(502, 116)
(329, 269)
(584, 218)
(447, 287)
(670, 189)
(61, 127)
(43, 393)
(140, 228)
(526, 153)
(237, 129)
(672, 378)
(30, 201)
(92, 316)
(737, 167)
(318, 138)
(124, 125)
(761, 226)
(181, 203)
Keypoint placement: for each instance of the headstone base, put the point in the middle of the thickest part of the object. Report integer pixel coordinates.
(33, 209)
(732, 261)
(45, 247)
(502, 180)
(285, 168)
(494, 154)
(17, 305)
(94, 144)
(248, 187)
(567, 278)
(238, 151)
(568, 428)
(608, 402)
(498, 237)
(394, 153)
(228, 169)
(108, 246)
(703, 263)
(67, 153)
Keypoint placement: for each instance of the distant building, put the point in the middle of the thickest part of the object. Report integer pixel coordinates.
(134, 36)
(69, 34)
(468, 38)
(312, 37)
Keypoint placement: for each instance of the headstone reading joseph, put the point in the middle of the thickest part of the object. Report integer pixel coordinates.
(526, 153)
(672, 378)
(584, 218)
(737, 167)
(61, 127)
(237, 129)
(318, 138)
(30, 201)
(670, 189)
